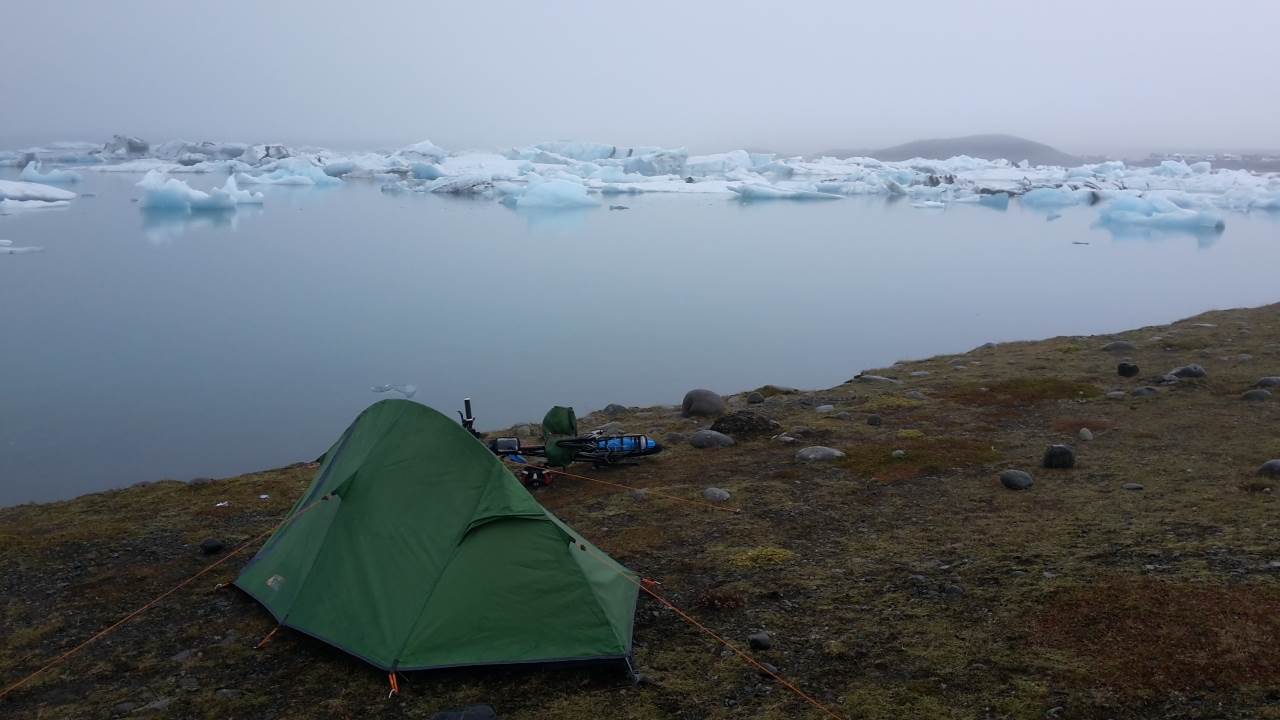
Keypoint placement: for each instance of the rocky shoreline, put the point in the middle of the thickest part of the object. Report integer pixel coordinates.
(1077, 527)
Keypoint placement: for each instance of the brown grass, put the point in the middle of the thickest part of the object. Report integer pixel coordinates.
(925, 456)
(1023, 391)
(1140, 633)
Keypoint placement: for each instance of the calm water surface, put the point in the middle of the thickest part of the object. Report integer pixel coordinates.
(141, 347)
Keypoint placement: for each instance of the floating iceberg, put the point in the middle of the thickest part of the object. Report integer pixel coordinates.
(32, 173)
(463, 184)
(21, 190)
(1048, 198)
(1159, 213)
(407, 391)
(551, 194)
(7, 248)
(425, 150)
(929, 204)
(662, 162)
(754, 191)
(291, 171)
(425, 171)
(8, 207)
(162, 192)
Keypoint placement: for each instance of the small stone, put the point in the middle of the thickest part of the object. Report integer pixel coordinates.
(1127, 369)
(915, 395)
(767, 670)
(124, 707)
(189, 684)
(841, 416)
(714, 494)
(1269, 382)
(824, 409)
(640, 494)
(952, 590)
(183, 656)
(816, 453)
(614, 409)
(1145, 391)
(899, 454)
(1115, 395)
(1189, 371)
(1059, 457)
(702, 402)
(784, 439)
(920, 373)
(1244, 357)
(710, 439)
(1270, 468)
(918, 579)
(227, 694)
(1085, 434)
(754, 398)
(1119, 346)
(1132, 486)
(1256, 395)
(760, 641)
(1016, 479)
(874, 420)
(212, 546)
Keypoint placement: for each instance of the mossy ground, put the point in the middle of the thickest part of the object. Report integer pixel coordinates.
(912, 587)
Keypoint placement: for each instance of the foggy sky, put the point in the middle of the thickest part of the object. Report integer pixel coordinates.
(709, 74)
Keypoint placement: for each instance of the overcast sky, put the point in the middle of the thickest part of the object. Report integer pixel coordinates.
(709, 74)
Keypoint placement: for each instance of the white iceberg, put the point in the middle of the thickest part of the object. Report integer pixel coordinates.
(425, 150)
(21, 190)
(551, 194)
(464, 184)
(929, 204)
(8, 207)
(7, 248)
(32, 173)
(662, 162)
(407, 391)
(1056, 197)
(162, 192)
(1159, 213)
(291, 171)
(760, 191)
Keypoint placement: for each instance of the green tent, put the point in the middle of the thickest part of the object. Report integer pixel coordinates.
(416, 548)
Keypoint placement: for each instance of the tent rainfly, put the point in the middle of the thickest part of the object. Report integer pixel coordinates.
(416, 548)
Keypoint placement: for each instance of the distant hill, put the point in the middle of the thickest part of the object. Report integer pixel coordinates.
(989, 147)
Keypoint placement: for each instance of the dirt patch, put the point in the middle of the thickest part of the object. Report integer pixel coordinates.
(1155, 635)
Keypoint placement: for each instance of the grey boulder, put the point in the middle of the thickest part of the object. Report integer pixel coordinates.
(1189, 371)
(1256, 395)
(715, 494)
(1016, 479)
(710, 439)
(815, 453)
(702, 402)
(1059, 457)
